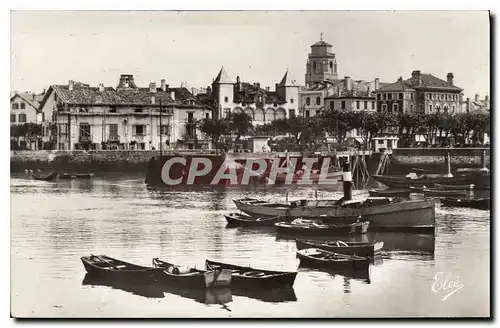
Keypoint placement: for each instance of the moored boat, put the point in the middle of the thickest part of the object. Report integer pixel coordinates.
(477, 203)
(247, 277)
(237, 219)
(108, 267)
(69, 176)
(84, 175)
(444, 192)
(322, 258)
(49, 177)
(391, 192)
(454, 187)
(338, 246)
(477, 178)
(317, 227)
(190, 277)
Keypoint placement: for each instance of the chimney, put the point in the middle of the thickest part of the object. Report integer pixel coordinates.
(101, 87)
(487, 100)
(257, 85)
(153, 100)
(468, 108)
(449, 78)
(416, 78)
(71, 85)
(377, 83)
(476, 98)
(152, 87)
(268, 88)
(163, 85)
(347, 83)
(172, 95)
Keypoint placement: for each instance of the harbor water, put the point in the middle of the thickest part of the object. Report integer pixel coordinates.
(53, 224)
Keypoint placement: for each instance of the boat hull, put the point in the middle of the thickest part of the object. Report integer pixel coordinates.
(479, 180)
(145, 274)
(360, 249)
(192, 278)
(353, 263)
(480, 204)
(237, 220)
(307, 230)
(413, 215)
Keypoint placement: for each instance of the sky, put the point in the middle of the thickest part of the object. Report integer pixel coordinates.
(52, 47)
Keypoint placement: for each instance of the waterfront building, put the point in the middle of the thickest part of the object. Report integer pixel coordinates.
(262, 105)
(24, 108)
(476, 104)
(422, 93)
(125, 118)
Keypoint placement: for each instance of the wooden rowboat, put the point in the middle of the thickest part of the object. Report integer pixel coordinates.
(192, 278)
(454, 187)
(444, 192)
(107, 267)
(478, 203)
(338, 246)
(316, 227)
(237, 219)
(247, 277)
(50, 177)
(319, 257)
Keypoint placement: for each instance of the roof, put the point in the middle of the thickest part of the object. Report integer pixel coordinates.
(399, 85)
(428, 81)
(31, 98)
(249, 93)
(222, 77)
(321, 44)
(84, 95)
(287, 80)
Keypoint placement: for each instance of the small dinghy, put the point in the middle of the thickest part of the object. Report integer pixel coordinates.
(49, 177)
(237, 219)
(176, 275)
(319, 257)
(339, 246)
(316, 227)
(477, 203)
(390, 192)
(248, 277)
(108, 267)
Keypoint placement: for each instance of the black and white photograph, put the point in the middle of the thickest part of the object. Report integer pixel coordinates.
(250, 164)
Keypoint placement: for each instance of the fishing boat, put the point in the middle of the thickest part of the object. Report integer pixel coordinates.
(250, 277)
(237, 219)
(432, 192)
(193, 278)
(390, 192)
(338, 246)
(383, 213)
(454, 187)
(477, 178)
(317, 227)
(319, 257)
(108, 267)
(478, 203)
(49, 177)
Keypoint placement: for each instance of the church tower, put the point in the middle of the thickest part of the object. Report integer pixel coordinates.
(321, 63)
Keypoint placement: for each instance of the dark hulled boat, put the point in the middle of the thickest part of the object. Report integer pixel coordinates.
(338, 246)
(478, 179)
(433, 192)
(237, 219)
(49, 177)
(322, 258)
(317, 227)
(192, 278)
(247, 277)
(69, 176)
(477, 203)
(454, 187)
(108, 267)
(391, 192)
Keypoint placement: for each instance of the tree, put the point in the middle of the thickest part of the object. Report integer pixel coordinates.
(31, 132)
(240, 124)
(214, 129)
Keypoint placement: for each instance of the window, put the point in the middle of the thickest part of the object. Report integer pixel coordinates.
(395, 107)
(379, 96)
(113, 130)
(453, 109)
(15, 106)
(342, 104)
(291, 112)
(384, 107)
(308, 101)
(140, 130)
(22, 118)
(357, 104)
(380, 142)
(291, 100)
(138, 110)
(400, 95)
(385, 96)
(43, 117)
(411, 108)
(332, 105)
(318, 112)
(226, 99)
(331, 65)
(163, 130)
(12, 118)
(389, 96)
(411, 96)
(84, 130)
(421, 108)
(445, 108)
(318, 101)
(438, 108)
(112, 109)
(314, 66)
(307, 114)
(207, 115)
(366, 104)
(23, 106)
(373, 105)
(430, 108)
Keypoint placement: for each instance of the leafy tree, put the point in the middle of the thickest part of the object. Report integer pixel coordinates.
(240, 124)
(214, 129)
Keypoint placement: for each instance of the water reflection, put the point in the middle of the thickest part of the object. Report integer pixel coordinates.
(140, 289)
(272, 295)
(362, 275)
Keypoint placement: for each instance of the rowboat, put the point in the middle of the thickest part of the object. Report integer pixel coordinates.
(193, 278)
(454, 187)
(478, 203)
(250, 277)
(391, 192)
(316, 227)
(237, 219)
(319, 257)
(443, 192)
(108, 267)
(49, 177)
(383, 213)
(338, 246)
(477, 178)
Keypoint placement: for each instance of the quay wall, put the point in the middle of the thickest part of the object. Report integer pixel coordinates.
(402, 159)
